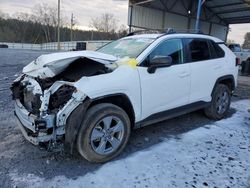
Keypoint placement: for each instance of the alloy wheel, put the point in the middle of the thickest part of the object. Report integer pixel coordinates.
(222, 102)
(107, 135)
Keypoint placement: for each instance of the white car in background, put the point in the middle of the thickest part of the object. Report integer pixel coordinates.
(92, 100)
(243, 55)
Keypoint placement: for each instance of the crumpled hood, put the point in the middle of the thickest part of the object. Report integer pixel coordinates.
(50, 65)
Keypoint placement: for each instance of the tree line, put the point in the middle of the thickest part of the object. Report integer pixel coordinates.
(246, 43)
(41, 26)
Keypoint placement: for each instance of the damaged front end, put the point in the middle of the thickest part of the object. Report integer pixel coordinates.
(41, 115)
(45, 95)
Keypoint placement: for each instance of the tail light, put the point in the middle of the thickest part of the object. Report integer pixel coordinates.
(237, 62)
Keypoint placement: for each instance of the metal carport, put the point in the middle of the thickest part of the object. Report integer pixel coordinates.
(215, 17)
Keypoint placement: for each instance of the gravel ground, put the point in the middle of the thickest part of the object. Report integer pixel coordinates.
(20, 157)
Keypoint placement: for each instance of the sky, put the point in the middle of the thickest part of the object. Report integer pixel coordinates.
(238, 31)
(84, 10)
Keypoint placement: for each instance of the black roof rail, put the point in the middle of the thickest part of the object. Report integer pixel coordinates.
(165, 31)
(146, 31)
(170, 31)
(194, 31)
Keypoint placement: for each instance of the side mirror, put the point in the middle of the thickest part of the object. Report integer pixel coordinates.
(159, 62)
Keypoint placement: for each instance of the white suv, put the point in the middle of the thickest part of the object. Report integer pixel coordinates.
(92, 100)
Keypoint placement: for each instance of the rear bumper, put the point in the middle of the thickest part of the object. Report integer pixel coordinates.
(27, 124)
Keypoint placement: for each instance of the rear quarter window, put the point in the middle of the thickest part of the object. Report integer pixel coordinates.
(216, 50)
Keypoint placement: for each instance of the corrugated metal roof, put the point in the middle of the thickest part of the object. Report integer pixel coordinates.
(231, 11)
(228, 11)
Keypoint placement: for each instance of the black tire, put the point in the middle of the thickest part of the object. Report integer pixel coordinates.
(213, 111)
(93, 118)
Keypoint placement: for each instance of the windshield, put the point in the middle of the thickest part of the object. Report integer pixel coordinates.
(128, 47)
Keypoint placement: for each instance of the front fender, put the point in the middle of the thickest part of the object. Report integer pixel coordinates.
(124, 80)
(73, 124)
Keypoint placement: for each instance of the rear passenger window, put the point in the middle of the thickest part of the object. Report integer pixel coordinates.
(217, 51)
(199, 50)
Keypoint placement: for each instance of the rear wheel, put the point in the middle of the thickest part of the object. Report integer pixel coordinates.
(220, 103)
(104, 133)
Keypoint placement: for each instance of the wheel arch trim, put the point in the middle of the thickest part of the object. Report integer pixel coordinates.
(223, 78)
(131, 110)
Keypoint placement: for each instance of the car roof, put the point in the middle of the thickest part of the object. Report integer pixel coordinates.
(176, 35)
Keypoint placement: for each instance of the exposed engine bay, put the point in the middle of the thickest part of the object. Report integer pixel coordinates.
(76, 70)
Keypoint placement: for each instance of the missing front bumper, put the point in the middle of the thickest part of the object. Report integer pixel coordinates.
(33, 140)
(28, 124)
(48, 127)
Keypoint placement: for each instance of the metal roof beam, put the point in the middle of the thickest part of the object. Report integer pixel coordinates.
(238, 21)
(225, 5)
(164, 5)
(172, 6)
(232, 11)
(142, 2)
(214, 14)
(238, 18)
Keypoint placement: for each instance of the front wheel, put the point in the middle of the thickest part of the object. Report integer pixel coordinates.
(104, 133)
(220, 103)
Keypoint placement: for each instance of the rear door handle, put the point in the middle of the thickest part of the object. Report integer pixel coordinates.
(217, 67)
(183, 74)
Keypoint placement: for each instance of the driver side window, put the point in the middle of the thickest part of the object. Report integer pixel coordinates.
(172, 48)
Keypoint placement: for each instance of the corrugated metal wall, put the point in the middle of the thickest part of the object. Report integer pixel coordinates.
(149, 18)
(175, 21)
